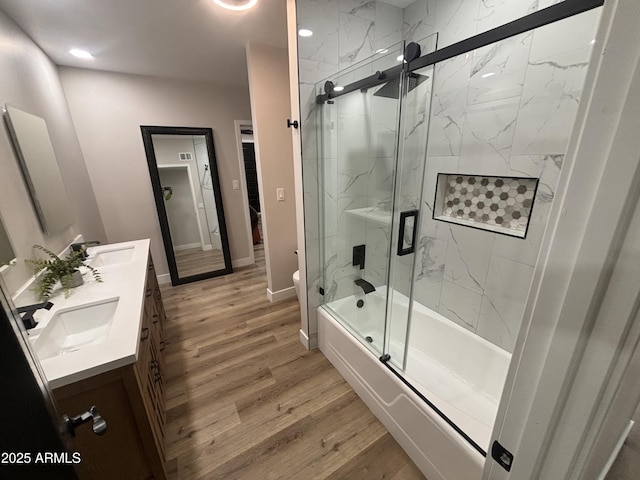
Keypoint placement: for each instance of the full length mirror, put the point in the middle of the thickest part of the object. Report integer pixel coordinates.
(32, 145)
(184, 175)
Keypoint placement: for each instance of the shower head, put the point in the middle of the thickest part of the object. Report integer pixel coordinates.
(391, 89)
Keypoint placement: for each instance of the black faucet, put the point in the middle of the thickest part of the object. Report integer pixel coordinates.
(364, 285)
(82, 248)
(29, 310)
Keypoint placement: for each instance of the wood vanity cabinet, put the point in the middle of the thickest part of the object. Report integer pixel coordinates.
(131, 400)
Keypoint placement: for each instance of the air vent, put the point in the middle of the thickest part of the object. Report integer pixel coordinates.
(185, 156)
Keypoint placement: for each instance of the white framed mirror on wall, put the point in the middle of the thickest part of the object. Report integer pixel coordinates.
(34, 151)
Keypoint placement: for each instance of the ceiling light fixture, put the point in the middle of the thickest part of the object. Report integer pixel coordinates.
(305, 32)
(77, 52)
(236, 4)
(338, 88)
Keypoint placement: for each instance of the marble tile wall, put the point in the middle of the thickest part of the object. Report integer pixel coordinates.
(506, 109)
(345, 32)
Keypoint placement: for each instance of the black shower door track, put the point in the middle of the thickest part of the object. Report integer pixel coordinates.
(554, 13)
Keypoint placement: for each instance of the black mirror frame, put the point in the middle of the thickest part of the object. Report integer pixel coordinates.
(147, 132)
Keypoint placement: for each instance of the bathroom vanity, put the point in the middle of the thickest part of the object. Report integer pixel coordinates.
(103, 346)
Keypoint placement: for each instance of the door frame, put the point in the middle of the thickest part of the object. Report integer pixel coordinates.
(560, 386)
(238, 124)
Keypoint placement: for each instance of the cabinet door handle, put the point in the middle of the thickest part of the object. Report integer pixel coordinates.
(155, 319)
(145, 334)
(162, 346)
(148, 293)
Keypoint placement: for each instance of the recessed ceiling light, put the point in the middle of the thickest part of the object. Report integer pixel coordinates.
(338, 88)
(305, 32)
(490, 74)
(236, 4)
(77, 52)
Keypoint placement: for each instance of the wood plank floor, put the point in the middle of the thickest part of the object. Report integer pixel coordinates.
(195, 260)
(245, 400)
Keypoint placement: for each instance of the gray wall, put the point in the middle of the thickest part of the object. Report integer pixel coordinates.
(271, 106)
(30, 82)
(108, 109)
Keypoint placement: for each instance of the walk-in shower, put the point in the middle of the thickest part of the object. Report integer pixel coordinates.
(435, 178)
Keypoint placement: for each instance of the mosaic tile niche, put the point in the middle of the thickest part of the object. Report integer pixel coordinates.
(498, 204)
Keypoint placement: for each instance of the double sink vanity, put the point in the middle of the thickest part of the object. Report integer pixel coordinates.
(103, 345)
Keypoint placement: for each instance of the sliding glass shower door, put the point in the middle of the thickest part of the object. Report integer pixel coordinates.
(491, 143)
(358, 142)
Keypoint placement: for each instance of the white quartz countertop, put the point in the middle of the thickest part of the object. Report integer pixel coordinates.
(125, 281)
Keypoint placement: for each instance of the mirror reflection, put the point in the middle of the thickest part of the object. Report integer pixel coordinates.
(187, 192)
(7, 255)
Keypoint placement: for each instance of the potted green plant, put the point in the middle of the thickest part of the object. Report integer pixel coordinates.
(54, 269)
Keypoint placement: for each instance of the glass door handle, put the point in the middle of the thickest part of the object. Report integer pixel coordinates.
(408, 219)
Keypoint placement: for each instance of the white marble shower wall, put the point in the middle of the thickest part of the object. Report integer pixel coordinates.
(505, 109)
(345, 32)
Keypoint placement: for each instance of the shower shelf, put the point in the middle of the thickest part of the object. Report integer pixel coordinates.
(373, 214)
(497, 204)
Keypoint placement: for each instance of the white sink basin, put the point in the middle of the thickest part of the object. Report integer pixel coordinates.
(111, 257)
(75, 328)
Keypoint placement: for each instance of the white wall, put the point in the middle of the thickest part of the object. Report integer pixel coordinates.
(270, 105)
(108, 109)
(205, 182)
(167, 149)
(30, 82)
(181, 213)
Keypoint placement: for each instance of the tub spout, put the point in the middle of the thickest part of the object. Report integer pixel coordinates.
(364, 285)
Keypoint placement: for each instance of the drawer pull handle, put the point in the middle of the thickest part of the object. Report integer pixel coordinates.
(162, 346)
(145, 334)
(155, 318)
(148, 293)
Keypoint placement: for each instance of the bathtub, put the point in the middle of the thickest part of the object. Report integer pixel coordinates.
(459, 373)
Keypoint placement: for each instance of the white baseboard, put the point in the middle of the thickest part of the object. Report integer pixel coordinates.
(207, 247)
(242, 262)
(281, 294)
(164, 279)
(177, 248)
(304, 340)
